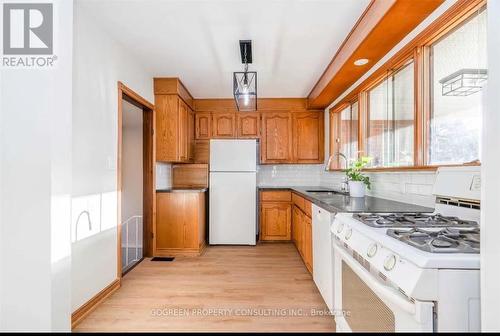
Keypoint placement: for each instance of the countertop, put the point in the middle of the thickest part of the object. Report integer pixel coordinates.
(341, 202)
(169, 190)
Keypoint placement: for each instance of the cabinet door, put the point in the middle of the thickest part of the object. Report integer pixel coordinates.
(295, 225)
(167, 130)
(248, 125)
(308, 139)
(276, 138)
(191, 142)
(223, 125)
(307, 242)
(169, 221)
(203, 121)
(179, 219)
(183, 130)
(275, 221)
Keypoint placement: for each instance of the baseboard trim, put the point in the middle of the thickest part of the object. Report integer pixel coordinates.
(82, 312)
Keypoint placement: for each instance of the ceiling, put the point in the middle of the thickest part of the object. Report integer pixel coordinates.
(197, 40)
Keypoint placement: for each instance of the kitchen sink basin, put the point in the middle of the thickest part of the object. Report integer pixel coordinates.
(324, 193)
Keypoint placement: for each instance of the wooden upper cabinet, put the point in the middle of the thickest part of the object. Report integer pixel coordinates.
(203, 122)
(167, 130)
(308, 138)
(223, 125)
(248, 125)
(183, 131)
(191, 135)
(174, 121)
(276, 138)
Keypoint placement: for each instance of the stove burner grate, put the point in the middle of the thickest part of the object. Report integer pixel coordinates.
(446, 240)
(412, 220)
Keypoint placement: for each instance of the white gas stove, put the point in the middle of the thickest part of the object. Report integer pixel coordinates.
(412, 272)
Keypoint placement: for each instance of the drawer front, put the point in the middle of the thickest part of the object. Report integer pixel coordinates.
(307, 208)
(276, 196)
(298, 201)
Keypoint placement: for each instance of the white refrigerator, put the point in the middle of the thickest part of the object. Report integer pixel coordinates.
(233, 192)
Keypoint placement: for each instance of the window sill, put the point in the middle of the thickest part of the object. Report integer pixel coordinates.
(409, 168)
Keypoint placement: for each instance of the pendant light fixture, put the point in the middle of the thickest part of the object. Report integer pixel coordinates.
(245, 83)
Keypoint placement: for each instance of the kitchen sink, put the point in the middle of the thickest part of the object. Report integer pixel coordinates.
(325, 193)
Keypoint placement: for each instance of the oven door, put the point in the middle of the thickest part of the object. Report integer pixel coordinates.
(363, 303)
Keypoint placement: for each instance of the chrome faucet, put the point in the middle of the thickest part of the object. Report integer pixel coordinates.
(344, 185)
(330, 159)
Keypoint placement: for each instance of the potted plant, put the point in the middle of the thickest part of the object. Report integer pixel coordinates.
(358, 182)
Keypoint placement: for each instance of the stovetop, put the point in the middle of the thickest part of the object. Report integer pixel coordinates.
(445, 240)
(413, 220)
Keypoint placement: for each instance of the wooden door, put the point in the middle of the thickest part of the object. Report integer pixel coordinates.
(203, 122)
(248, 125)
(276, 138)
(167, 131)
(307, 245)
(275, 221)
(223, 125)
(308, 138)
(183, 130)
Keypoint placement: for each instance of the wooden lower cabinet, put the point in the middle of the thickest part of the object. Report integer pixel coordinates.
(286, 216)
(302, 230)
(307, 244)
(180, 223)
(275, 219)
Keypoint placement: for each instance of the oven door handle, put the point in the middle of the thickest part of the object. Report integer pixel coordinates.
(384, 292)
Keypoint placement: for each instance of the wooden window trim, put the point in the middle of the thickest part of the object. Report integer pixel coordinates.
(335, 130)
(418, 49)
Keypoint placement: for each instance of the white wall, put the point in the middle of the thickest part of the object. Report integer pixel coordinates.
(99, 63)
(35, 175)
(490, 198)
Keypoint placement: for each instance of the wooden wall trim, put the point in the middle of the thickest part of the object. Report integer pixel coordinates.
(373, 13)
(451, 18)
(417, 50)
(382, 26)
(263, 104)
(136, 98)
(78, 315)
(131, 96)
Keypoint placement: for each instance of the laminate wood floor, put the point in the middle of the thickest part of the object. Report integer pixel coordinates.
(228, 288)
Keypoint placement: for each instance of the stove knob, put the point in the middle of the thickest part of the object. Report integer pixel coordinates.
(340, 227)
(390, 262)
(372, 250)
(348, 234)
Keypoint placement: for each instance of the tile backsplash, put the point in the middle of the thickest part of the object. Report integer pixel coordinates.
(408, 187)
(163, 175)
(289, 175)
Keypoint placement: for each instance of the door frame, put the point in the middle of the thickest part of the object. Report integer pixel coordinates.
(149, 169)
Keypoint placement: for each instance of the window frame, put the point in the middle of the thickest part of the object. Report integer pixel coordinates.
(417, 50)
(389, 76)
(335, 130)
